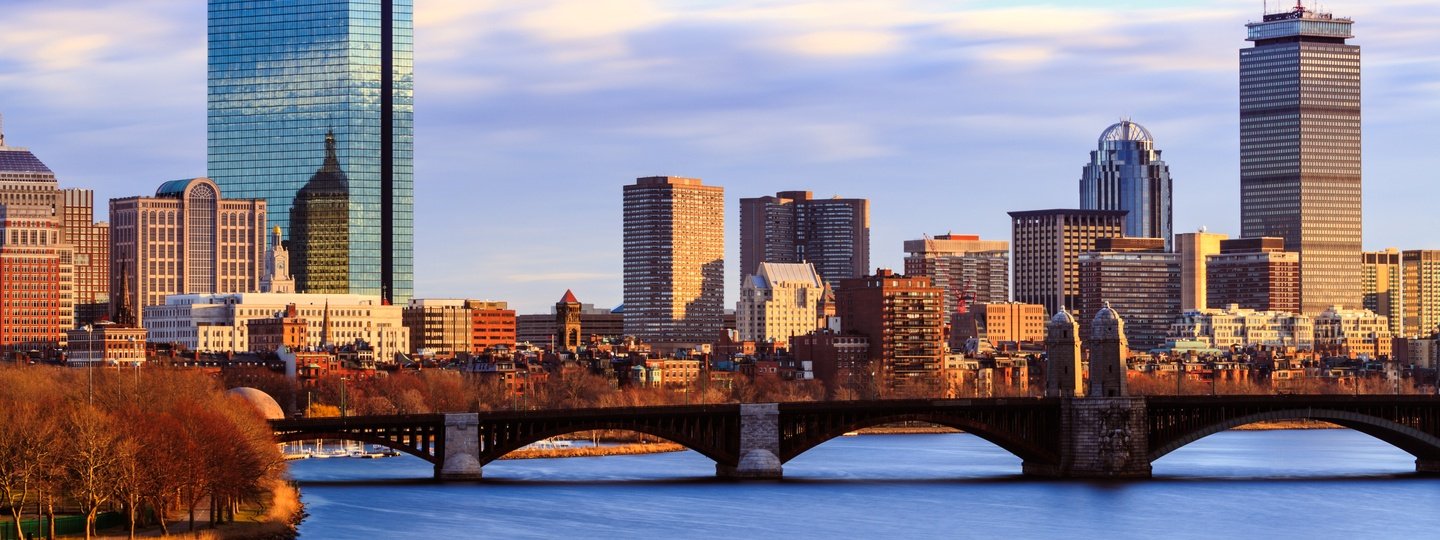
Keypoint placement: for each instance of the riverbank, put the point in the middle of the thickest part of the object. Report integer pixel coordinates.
(934, 429)
(274, 517)
(596, 451)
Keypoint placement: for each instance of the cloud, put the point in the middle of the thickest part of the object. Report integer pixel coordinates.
(843, 43)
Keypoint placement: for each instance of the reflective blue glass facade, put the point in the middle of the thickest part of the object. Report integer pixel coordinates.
(285, 77)
(1126, 173)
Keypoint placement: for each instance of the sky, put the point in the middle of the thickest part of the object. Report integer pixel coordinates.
(531, 115)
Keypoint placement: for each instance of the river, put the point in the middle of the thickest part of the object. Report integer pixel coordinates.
(1311, 484)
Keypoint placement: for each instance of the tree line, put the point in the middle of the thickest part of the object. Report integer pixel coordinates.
(152, 444)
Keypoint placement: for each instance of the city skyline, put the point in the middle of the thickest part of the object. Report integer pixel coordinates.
(926, 164)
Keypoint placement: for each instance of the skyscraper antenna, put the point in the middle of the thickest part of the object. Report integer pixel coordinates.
(2, 129)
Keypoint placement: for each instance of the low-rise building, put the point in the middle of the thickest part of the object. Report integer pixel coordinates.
(220, 322)
(1235, 326)
(1352, 333)
(998, 323)
(106, 345)
(449, 326)
(780, 301)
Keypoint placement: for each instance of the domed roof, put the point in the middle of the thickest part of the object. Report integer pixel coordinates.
(1106, 314)
(263, 403)
(1126, 130)
(1062, 316)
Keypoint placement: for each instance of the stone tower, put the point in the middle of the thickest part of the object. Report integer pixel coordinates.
(1062, 353)
(567, 323)
(1108, 351)
(277, 278)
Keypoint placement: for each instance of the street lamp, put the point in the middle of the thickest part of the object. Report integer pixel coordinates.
(89, 368)
(342, 397)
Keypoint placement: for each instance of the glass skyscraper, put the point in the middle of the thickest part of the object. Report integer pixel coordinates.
(1126, 173)
(294, 82)
(1300, 149)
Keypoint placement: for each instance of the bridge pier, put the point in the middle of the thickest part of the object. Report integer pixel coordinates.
(1100, 438)
(1427, 466)
(462, 448)
(759, 444)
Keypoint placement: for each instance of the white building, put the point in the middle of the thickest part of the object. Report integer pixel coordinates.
(217, 322)
(1238, 327)
(1353, 332)
(780, 301)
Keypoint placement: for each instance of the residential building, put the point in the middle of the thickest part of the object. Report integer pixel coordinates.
(219, 322)
(902, 317)
(1382, 287)
(1140, 279)
(971, 271)
(1300, 148)
(285, 329)
(780, 301)
(285, 77)
(1353, 333)
(1194, 250)
(1126, 173)
(794, 227)
(841, 361)
(674, 252)
(1234, 326)
(1045, 251)
(187, 239)
(1254, 273)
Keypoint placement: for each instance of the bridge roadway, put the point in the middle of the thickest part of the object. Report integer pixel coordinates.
(1056, 437)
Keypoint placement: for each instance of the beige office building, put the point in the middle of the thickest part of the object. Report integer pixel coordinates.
(779, 302)
(1045, 250)
(970, 270)
(674, 246)
(1193, 249)
(186, 239)
(219, 322)
(1382, 288)
(1420, 275)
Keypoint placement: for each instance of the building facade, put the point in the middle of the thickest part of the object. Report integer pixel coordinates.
(187, 239)
(1045, 250)
(794, 227)
(1126, 173)
(1139, 279)
(446, 326)
(91, 242)
(1194, 250)
(1300, 149)
(37, 272)
(1254, 273)
(841, 361)
(1352, 333)
(220, 322)
(902, 317)
(999, 323)
(1234, 326)
(596, 325)
(674, 252)
(1420, 277)
(1382, 287)
(779, 302)
(970, 270)
(296, 87)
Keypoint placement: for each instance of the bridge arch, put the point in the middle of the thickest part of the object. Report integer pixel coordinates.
(1028, 451)
(1414, 441)
(490, 453)
(392, 444)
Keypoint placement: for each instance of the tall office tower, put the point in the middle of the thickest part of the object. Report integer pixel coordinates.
(1381, 287)
(1420, 274)
(970, 270)
(1045, 249)
(282, 75)
(794, 227)
(674, 260)
(1138, 278)
(1126, 173)
(1193, 249)
(1300, 149)
(36, 265)
(1254, 273)
(902, 318)
(779, 302)
(186, 239)
(91, 242)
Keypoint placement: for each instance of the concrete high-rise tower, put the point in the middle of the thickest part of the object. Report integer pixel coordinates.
(283, 74)
(794, 227)
(1126, 173)
(1300, 149)
(674, 242)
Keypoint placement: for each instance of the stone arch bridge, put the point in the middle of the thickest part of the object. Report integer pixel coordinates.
(1056, 437)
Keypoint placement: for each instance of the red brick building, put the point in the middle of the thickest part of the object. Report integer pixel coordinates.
(36, 302)
(904, 320)
(288, 329)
